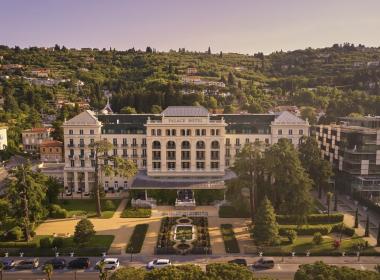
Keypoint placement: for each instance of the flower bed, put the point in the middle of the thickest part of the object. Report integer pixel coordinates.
(137, 239)
(230, 242)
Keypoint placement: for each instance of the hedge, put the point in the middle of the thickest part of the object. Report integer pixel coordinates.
(227, 211)
(137, 239)
(306, 230)
(229, 239)
(314, 219)
(136, 213)
(346, 230)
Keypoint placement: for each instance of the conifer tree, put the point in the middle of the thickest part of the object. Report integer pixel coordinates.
(356, 218)
(366, 232)
(265, 231)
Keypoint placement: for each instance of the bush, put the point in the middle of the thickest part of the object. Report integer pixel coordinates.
(306, 230)
(346, 230)
(313, 219)
(45, 242)
(58, 242)
(15, 233)
(56, 212)
(84, 230)
(229, 239)
(317, 238)
(136, 213)
(109, 205)
(137, 239)
(291, 235)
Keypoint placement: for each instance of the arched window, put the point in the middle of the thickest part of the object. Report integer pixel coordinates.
(200, 145)
(170, 145)
(214, 145)
(185, 145)
(156, 145)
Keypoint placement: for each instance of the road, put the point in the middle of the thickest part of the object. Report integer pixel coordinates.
(284, 268)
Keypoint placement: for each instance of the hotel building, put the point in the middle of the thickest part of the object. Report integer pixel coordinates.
(184, 147)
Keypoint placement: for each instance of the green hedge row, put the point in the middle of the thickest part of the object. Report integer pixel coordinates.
(346, 230)
(137, 239)
(306, 230)
(136, 213)
(229, 239)
(227, 211)
(314, 219)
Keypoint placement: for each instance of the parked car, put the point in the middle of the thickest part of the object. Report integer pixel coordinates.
(79, 263)
(28, 264)
(109, 263)
(264, 263)
(8, 263)
(242, 262)
(158, 263)
(56, 263)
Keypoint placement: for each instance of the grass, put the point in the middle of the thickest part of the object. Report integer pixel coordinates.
(131, 212)
(304, 243)
(230, 242)
(137, 239)
(184, 232)
(87, 207)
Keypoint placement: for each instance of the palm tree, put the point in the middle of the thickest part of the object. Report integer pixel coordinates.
(48, 270)
(121, 167)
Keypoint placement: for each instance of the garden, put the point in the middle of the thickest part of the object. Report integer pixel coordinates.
(183, 235)
(230, 242)
(83, 207)
(137, 239)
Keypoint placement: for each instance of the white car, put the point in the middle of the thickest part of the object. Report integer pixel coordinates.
(109, 263)
(158, 263)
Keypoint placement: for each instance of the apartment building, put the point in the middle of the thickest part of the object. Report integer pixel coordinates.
(353, 147)
(51, 151)
(32, 138)
(184, 147)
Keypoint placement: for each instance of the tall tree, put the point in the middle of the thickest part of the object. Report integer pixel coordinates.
(319, 169)
(265, 230)
(27, 192)
(248, 167)
(378, 236)
(289, 184)
(356, 225)
(366, 231)
(120, 167)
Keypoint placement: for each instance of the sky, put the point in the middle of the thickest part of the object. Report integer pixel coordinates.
(243, 26)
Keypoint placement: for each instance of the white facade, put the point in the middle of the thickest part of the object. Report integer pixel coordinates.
(3, 137)
(182, 142)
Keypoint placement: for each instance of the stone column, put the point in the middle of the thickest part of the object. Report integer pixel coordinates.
(86, 185)
(75, 181)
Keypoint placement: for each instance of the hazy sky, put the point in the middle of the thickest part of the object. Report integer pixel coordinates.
(244, 26)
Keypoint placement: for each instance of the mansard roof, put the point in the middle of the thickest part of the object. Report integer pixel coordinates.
(185, 111)
(87, 117)
(286, 117)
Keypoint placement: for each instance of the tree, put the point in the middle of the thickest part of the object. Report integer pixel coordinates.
(328, 201)
(366, 232)
(248, 167)
(121, 167)
(5, 207)
(84, 230)
(320, 270)
(48, 270)
(213, 103)
(128, 273)
(231, 79)
(227, 271)
(103, 272)
(265, 230)
(128, 110)
(209, 50)
(319, 169)
(356, 218)
(54, 188)
(288, 185)
(148, 50)
(27, 192)
(156, 109)
(308, 113)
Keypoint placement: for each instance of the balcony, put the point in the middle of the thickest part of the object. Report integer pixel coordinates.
(143, 145)
(70, 145)
(124, 145)
(215, 158)
(134, 145)
(71, 156)
(170, 158)
(135, 156)
(156, 158)
(81, 156)
(81, 145)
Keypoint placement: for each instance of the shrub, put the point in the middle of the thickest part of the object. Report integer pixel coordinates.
(306, 230)
(317, 238)
(136, 213)
(137, 239)
(56, 212)
(15, 233)
(109, 205)
(346, 230)
(45, 242)
(84, 230)
(229, 239)
(58, 242)
(291, 235)
(313, 219)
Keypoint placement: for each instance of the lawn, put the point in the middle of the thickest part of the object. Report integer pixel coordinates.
(137, 239)
(131, 212)
(87, 207)
(304, 243)
(230, 242)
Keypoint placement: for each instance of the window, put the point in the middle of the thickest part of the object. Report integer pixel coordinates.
(82, 163)
(125, 152)
(168, 132)
(200, 155)
(212, 132)
(116, 184)
(81, 153)
(153, 132)
(280, 132)
(200, 165)
(106, 184)
(156, 165)
(134, 153)
(158, 132)
(300, 132)
(143, 142)
(290, 131)
(91, 131)
(71, 152)
(92, 141)
(185, 165)
(144, 162)
(170, 145)
(81, 142)
(237, 151)
(125, 184)
(200, 145)
(81, 131)
(114, 141)
(247, 140)
(170, 165)
(156, 145)
(144, 153)
(266, 140)
(125, 142)
(156, 155)
(189, 132)
(198, 132)
(71, 143)
(92, 163)
(215, 155)
(134, 142)
(170, 155)
(228, 141)
(214, 165)
(43, 149)
(203, 132)
(72, 163)
(185, 155)
(183, 132)
(228, 152)
(217, 131)
(237, 142)
(71, 132)
(227, 162)
(185, 145)
(214, 145)
(115, 152)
